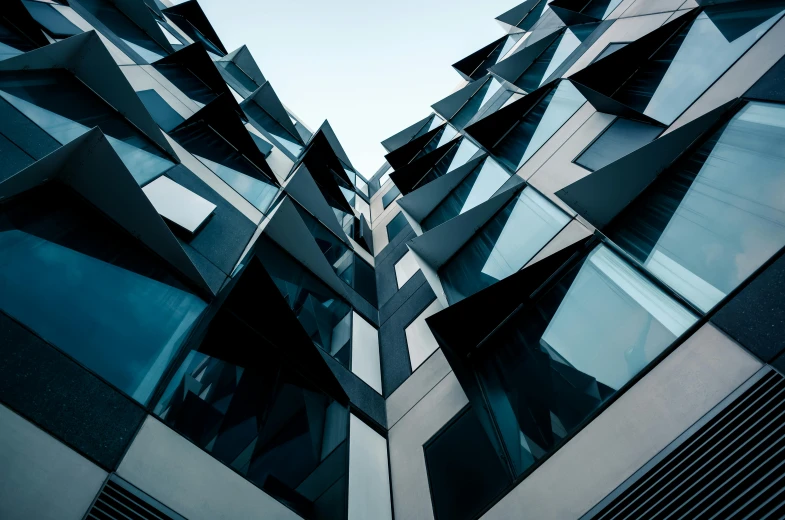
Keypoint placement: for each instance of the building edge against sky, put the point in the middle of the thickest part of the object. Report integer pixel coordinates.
(560, 297)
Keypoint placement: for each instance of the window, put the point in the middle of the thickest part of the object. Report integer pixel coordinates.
(238, 75)
(186, 81)
(51, 20)
(464, 471)
(475, 189)
(503, 246)
(539, 125)
(621, 138)
(384, 178)
(405, 268)
(553, 364)
(163, 114)
(282, 138)
(419, 337)
(171, 38)
(475, 104)
(125, 30)
(714, 217)
(267, 423)
(85, 286)
(599, 9)
(390, 196)
(396, 225)
(610, 49)
(177, 204)
(65, 108)
(682, 69)
(553, 56)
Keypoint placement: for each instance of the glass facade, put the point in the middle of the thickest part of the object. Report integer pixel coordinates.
(714, 217)
(621, 138)
(503, 246)
(538, 125)
(553, 56)
(682, 69)
(583, 340)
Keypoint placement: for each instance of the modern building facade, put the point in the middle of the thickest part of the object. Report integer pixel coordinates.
(559, 298)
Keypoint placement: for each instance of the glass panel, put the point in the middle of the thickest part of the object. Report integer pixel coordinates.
(464, 471)
(62, 106)
(178, 204)
(713, 218)
(396, 225)
(553, 56)
(405, 268)
(390, 196)
(503, 246)
(51, 20)
(11, 42)
(384, 178)
(419, 337)
(365, 352)
(621, 138)
(125, 29)
(465, 151)
(475, 104)
(268, 424)
(184, 80)
(267, 123)
(539, 125)
(369, 475)
(447, 135)
(235, 72)
(258, 192)
(599, 9)
(325, 317)
(555, 364)
(124, 326)
(475, 189)
(162, 113)
(171, 38)
(694, 58)
(361, 185)
(610, 49)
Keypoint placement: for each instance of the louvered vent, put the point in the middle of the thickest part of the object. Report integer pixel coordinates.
(733, 466)
(118, 500)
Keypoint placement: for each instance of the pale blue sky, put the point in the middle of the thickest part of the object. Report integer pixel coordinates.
(371, 68)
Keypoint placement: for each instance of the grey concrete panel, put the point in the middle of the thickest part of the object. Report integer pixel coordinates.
(649, 416)
(643, 7)
(411, 493)
(417, 386)
(42, 478)
(169, 468)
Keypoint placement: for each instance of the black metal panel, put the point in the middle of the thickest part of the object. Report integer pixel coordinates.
(755, 317)
(118, 500)
(511, 68)
(192, 11)
(401, 156)
(729, 466)
(194, 57)
(408, 177)
(404, 136)
(450, 105)
(63, 398)
(468, 65)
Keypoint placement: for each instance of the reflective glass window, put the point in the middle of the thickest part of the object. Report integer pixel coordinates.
(124, 29)
(621, 138)
(171, 38)
(553, 365)
(162, 113)
(682, 69)
(475, 104)
(266, 422)
(503, 246)
(390, 196)
(259, 192)
(464, 471)
(384, 178)
(326, 317)
(396, 225)
(186, 81)
(460, 152)
(553, 56)
(714, 217)
(419, 338)
(476, 188)
(283, 138)
(237, 73)
(599, 9)
(86, 287)
(435, 121)
(539, 124)
(51, 20)
(65, 108)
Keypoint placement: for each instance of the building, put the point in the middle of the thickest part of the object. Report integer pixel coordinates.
(559, 298)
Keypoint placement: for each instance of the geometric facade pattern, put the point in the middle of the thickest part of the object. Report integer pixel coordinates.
(560, 296)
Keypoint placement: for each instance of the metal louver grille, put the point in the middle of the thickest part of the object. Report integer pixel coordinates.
(733, 466)
(119, 500)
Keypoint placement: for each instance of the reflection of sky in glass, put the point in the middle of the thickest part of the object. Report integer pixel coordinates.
(612, 322)
(258, 193)
(143, 165)
(732, 218)
(704, 55)
(568, 43)
(122, 325)
(465, 152)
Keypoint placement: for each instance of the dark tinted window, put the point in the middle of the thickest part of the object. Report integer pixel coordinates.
(396, 225)
(390, 196)
(621, 138)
